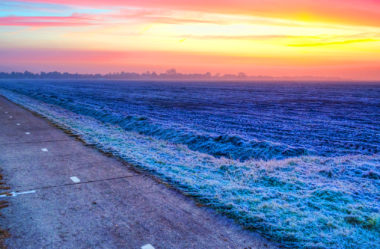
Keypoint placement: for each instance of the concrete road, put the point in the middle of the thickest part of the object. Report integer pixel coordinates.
(67, 195)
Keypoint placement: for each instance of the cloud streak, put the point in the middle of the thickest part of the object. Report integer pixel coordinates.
(47, 21)
(330, 43)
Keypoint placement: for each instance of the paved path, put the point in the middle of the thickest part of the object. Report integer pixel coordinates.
(72, 196)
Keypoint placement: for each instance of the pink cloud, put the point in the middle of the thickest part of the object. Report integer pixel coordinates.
(47, 21)
(139, 15)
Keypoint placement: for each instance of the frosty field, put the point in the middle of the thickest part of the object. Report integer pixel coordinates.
(297, 162)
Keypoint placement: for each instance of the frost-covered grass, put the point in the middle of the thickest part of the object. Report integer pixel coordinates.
(305, 202)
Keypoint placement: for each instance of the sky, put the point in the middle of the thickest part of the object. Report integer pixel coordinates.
(278, 38)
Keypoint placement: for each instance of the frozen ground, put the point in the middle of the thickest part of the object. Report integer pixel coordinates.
(312, 196)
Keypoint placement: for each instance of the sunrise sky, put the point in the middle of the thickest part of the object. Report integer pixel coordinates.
(324, 38)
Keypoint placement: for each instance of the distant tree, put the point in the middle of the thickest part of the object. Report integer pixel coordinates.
(171, 71)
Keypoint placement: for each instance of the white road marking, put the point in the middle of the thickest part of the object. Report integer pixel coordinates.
(10, 116)
(14, 194)
(44, 149)
(18, 124)
(27, 133)
(147, 246)
(75, 179)
(6, 112)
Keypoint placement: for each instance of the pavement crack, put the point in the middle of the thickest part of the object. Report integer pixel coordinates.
(36, 142)
(79, 183)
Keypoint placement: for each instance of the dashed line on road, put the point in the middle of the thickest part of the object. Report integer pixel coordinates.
(75, 179)
(147, 246)
(14, 194)
(18, 124)
(44, 149)
(27, 133)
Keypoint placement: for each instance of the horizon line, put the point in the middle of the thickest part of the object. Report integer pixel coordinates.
(170, 74)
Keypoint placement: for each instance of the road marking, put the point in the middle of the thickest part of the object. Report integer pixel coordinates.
(27, 133)
(18, 124)
(10, 116)
(6, 112)
(14, 194)
(75, 179)
(44, 149)
(147, 246)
